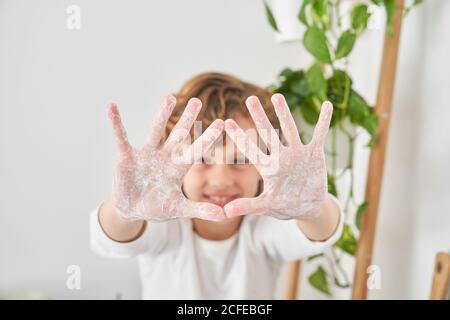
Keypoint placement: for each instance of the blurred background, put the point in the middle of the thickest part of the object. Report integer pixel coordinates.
(57, 151)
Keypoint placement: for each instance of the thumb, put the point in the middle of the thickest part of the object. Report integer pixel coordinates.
(244, 206)
(203, 210)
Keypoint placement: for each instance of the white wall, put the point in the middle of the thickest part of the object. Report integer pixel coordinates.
(431, 181)
(414, 219)
(56, 149)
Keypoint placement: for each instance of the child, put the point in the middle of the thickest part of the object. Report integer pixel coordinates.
(208, 229)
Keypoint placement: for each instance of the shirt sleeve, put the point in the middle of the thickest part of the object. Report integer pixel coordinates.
(284, 241)
(157, 236)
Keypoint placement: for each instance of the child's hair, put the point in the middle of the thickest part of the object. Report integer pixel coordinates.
(223, 96)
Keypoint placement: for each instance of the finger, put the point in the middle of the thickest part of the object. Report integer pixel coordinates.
(243, 142)
(203, 143)
(184, 125)
(159, 123)
(287, 122)
(244, 206)
(323, 124)
(120, 134)
(203, 210)
(263, 125)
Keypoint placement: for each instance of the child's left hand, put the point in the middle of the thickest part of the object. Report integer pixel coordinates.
(295, 176)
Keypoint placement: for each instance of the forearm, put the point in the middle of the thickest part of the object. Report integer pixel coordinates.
(117, 228)
(322, 226)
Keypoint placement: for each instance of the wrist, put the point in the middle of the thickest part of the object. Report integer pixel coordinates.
(324, 224)
(315, 213)
(115, 226)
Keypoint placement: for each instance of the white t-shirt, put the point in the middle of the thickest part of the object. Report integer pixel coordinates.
(176, 263)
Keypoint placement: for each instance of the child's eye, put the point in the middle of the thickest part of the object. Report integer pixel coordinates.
(240, 161)
(204, 162)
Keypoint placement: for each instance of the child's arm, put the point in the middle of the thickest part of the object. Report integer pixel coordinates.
(322, 226)
(117, 228)
(286, 240)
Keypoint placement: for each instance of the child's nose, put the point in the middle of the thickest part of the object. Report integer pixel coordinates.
(220, 175)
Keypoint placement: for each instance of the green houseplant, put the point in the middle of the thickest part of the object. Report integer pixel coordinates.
(330, 35)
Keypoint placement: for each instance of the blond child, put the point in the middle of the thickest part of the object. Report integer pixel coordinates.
(205, 227)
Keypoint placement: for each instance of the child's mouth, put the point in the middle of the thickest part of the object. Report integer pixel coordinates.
(220, 201)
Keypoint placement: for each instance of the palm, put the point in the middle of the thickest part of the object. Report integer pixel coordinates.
(147, 183)
(139, 179)
(295, 175)
(300, 186)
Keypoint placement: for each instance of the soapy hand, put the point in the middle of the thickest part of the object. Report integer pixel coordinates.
(147, 182)
(295, 175)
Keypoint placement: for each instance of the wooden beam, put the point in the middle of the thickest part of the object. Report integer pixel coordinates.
(293, 280)
(441, 277)
(377, 156)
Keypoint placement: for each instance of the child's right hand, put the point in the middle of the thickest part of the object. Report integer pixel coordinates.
(147, 183)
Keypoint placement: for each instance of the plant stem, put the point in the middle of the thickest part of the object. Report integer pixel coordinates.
(341, 270)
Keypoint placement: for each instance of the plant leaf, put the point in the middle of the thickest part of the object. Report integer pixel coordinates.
(332, 186)
(360, 212)
(320, 13)
(345, 44)
(318, 280)
(270, 17)
(347, 242)
(358, 109)
(291, 99)
(300, 86)
(359, 17)
(339, 85)
(390, 6)
(302, 13)
(370, 123)
(316, 81)
(286, 74)
(315, 42)
(309, 111)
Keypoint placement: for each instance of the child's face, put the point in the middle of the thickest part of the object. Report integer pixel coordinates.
(221, 183)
